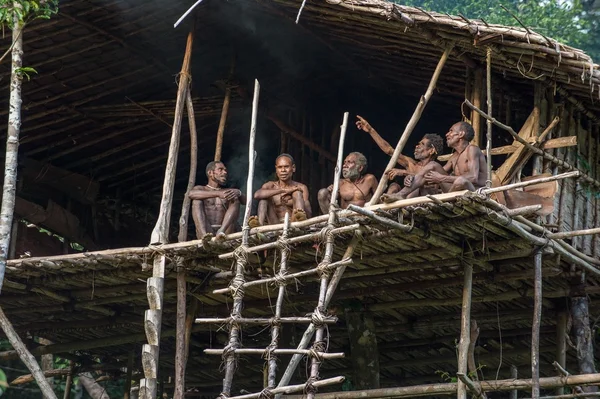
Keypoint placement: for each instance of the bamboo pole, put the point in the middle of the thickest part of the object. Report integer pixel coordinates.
(241, 260)
(160, 234)
(335, 279)
(567, 234)
(292, 388)
(513, 186)
(450, 388)
(319, 312)
(258, 351)
(465, 329)
(534, 149)
(410, 126)
(262, 321)
(275, 327)
(224, 112)
(25, 356)
(488, 147)
(535, 328)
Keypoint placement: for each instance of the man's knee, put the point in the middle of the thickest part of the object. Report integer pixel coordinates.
(323, 194)
(393, 188)
(462, 184)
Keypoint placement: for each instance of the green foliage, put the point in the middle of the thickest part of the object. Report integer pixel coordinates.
(574, 22)
(25, 71)
(26, 10)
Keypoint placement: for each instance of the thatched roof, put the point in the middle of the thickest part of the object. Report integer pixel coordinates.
(103, 97)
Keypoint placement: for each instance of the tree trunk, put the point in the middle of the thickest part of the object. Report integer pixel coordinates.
(12, 147)
(363, 349)
(95, 390)
(583, 337)
(25, 356)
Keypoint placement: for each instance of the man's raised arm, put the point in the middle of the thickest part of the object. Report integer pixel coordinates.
(362, 124)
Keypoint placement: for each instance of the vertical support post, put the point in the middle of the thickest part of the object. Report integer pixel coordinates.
(320, 310)
(241, 255)
(561, 343)
(224, 112)
(514, 374)
(363, 348)
(538, 104)
(69, 382)
(180, 353)
(276, 328)
(185, 207)
(476, 101)
(535, 328)
(488, 145)
(160, 235)
(581, 327)
(465, 328)
(410, 126)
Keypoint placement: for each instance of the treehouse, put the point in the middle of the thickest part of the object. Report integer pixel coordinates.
(481, 293)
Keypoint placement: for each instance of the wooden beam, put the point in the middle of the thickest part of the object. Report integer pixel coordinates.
(559, 142)
(363, 348)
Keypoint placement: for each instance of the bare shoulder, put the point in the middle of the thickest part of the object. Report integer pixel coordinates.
(475, 150)
(268, 185)
(370, 178)
(200, 188)
(303, 187)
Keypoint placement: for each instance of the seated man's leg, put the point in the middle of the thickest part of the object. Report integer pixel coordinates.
(417, 183)
(263, 210)
(299, 213)
(461, 184)
(229, 220)
(393, 188)
(200, 219)
(324, 197)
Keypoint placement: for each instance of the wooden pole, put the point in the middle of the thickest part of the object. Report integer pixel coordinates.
(561, 343)
(185, 207)
(335, 279)
(431, 390)
(128, 376)
(276, 327)
(476, 98)
(488, 145)
(533, 148)
(160, 235)
(241, 258)
(7, 207)
(514, 373)
(465, 328)
(180, 350)
(25, 356)
(181, 325)
(224, 112)
(69, 382)
(321, 309)
(535, 328)
(410, 126)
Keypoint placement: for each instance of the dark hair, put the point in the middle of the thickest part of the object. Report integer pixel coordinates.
(468, 129)
(287, 156)
(211, 166)
(361, 160)
(436, 141)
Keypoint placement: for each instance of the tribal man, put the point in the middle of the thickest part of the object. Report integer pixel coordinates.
(465, 170)
(281, 196)
(356, 187)
(215, 209)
